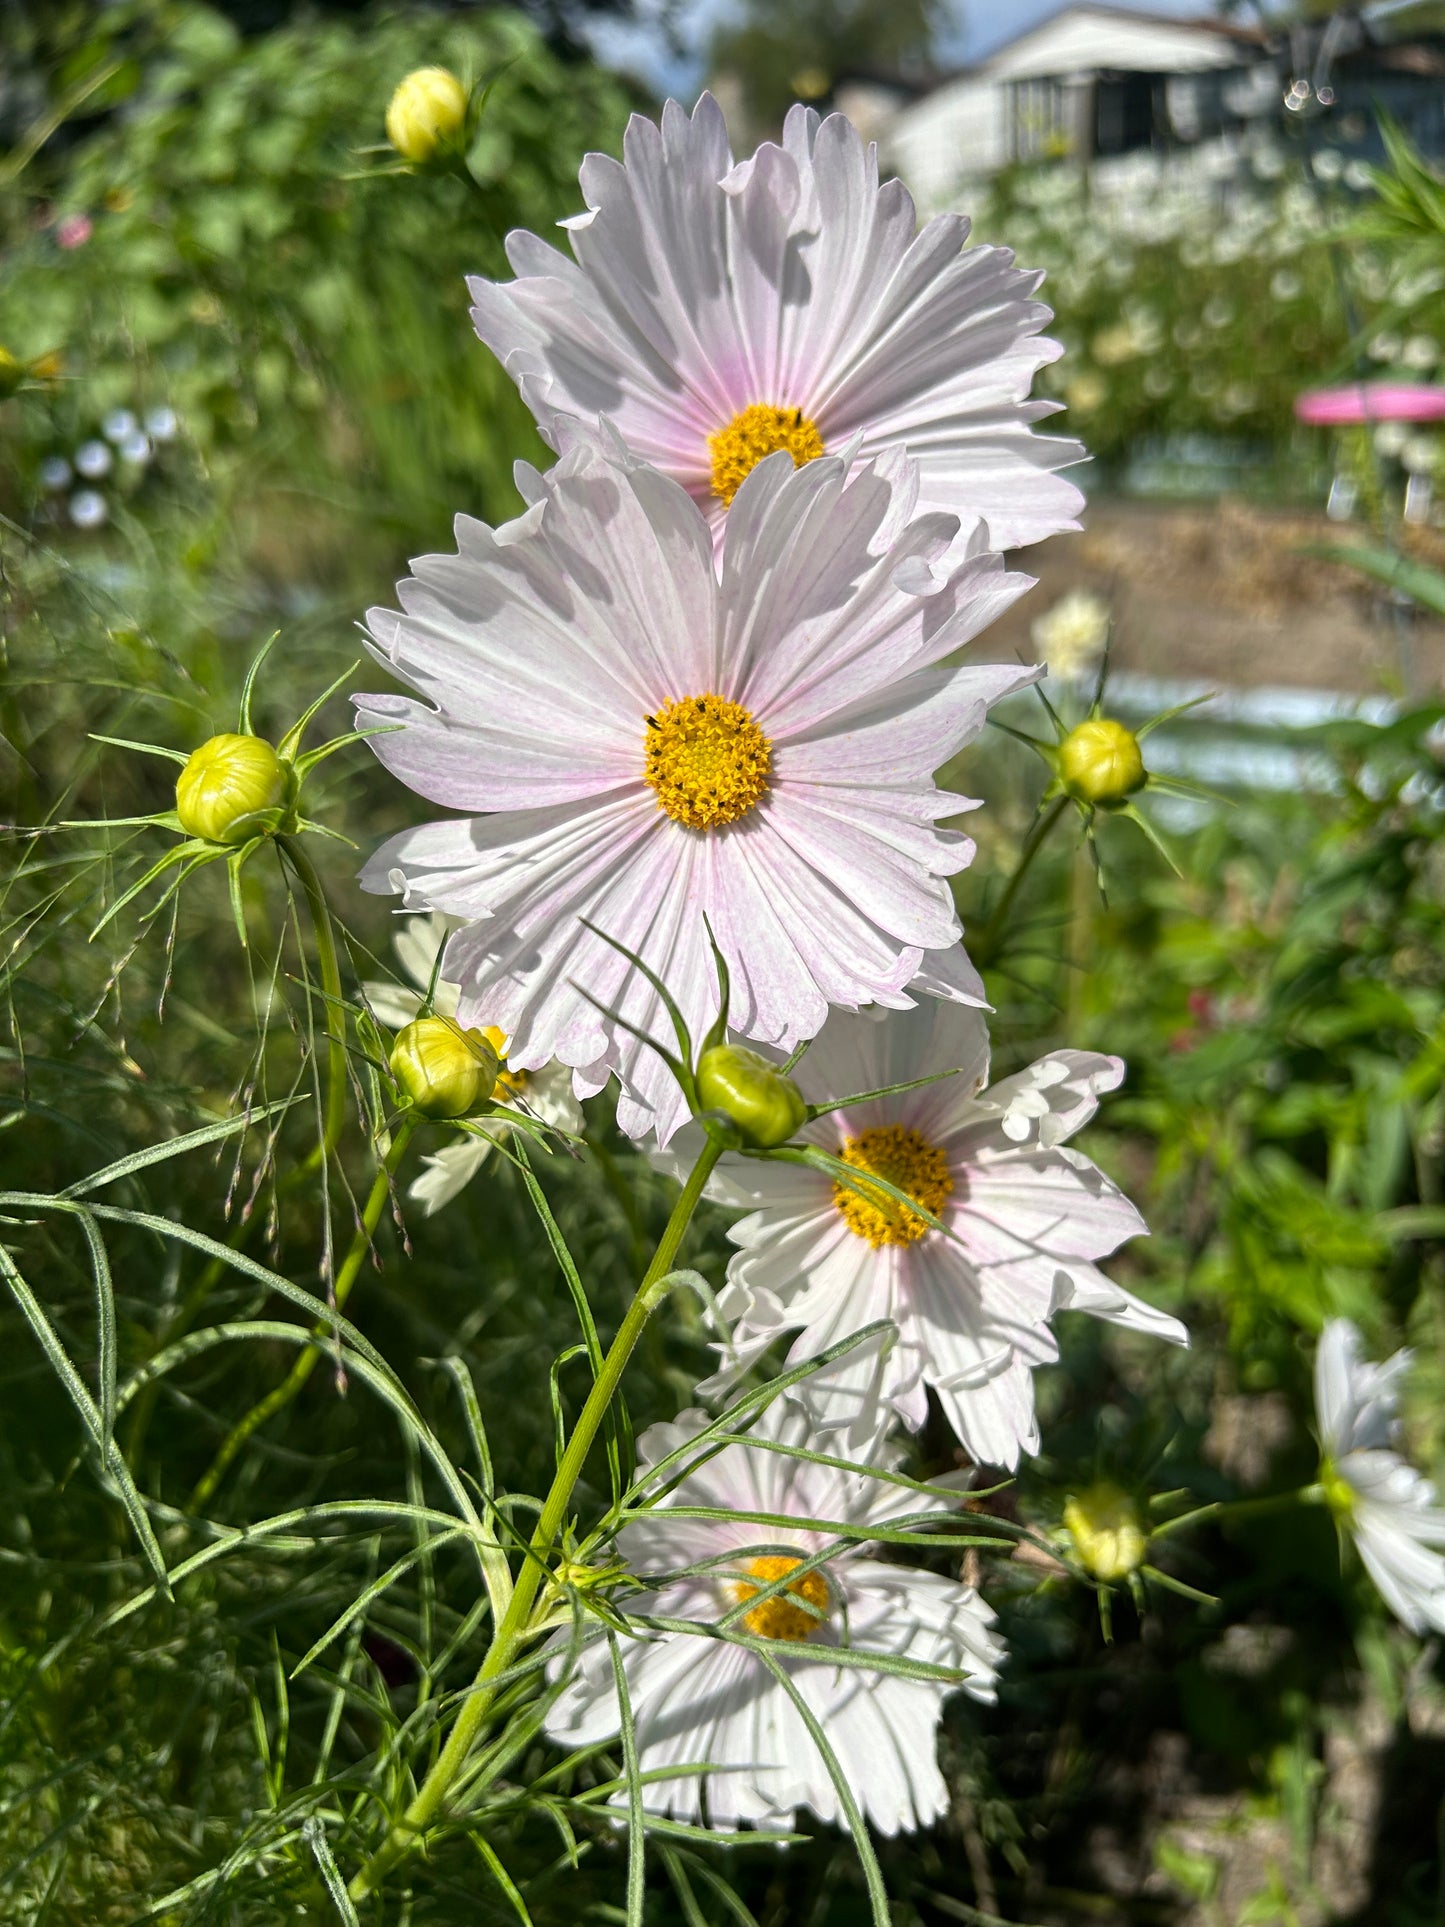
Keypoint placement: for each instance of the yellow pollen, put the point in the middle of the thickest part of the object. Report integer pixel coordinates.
(905, 1158)
(759, 430)
(509, 1084)
(777, 1617)
(707, 760)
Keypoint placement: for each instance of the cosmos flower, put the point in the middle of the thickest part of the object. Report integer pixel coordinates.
(699, 1698)
(716, 312)
(545, 1094)
(661, 748)
(1071, 636)
(1026, 1215)
(1386, 1506)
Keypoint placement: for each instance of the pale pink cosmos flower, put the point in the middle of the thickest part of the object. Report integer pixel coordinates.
(74, 231)
(1386, 1506)
(699, 1700)
(1026, 1218)
(716, 310)
(649, 741)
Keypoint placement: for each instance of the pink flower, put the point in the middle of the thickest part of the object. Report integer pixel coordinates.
(1026, 1217)
(74, 231)
(651, 743)
(716, 311)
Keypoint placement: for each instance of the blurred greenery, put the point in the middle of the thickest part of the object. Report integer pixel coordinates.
(205, 231)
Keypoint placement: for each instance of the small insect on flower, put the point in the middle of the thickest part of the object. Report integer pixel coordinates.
(718, 312)
(426, 113)
(1021, 1220)
(700, 1700)
(1380, 1501)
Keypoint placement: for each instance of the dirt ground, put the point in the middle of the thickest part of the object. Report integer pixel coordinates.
(1220, 592)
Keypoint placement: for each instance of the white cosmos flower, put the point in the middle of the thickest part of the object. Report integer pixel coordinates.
(698, 1699)
(1027, 1218)
(717, 311)
(1387, 1507)
(544, 1095)
(655, 742)
(1072, 635)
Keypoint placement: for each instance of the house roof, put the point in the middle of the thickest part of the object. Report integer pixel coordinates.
(1088, 35)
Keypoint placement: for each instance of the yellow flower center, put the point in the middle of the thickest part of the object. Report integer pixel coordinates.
(761, 429)
(509, 1084)
(778, 1617)
(905, 1158)
(707, 760)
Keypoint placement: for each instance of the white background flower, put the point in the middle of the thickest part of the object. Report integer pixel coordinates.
(1387, 1507)
(697, 1698)
(561, 649)
(793, 281)
(1027, 1217)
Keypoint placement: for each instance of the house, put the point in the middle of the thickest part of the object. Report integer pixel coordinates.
(1082, 83)
(1097, 83)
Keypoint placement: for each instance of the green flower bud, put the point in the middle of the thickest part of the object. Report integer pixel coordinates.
(1101, 763)
(444, 1070)
(427, 111)
(12, 373)
(1104, 1526)
(227, 786)
(766, 1106)
(1339, 1494)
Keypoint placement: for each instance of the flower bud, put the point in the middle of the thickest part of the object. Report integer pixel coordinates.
(1101, 763)
(12, 373)
(427, 111)
(444, 1070)
(766, 1106)
(225, 789)
(1104, 1526)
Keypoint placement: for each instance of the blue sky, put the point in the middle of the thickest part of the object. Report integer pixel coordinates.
(980, 25)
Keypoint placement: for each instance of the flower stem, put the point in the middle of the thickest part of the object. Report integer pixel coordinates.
(984, 948)
(515, 1627)
(192, 1304)
(1231, 1509)
(277, 1400)
(334, 1013)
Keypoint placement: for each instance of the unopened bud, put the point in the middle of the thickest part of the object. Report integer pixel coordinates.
(1104, 1526)
(12, 373)
(1101, 763)
(226, 790)
(766, 1106)
(427, 111)
(444, 1070)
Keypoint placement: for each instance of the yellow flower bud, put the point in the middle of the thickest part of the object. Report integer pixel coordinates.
(227, 785)
(766, 1106)
(444, 1070)
(1101, 763)
(12, 373)
(427, 111)
(1104, 1526)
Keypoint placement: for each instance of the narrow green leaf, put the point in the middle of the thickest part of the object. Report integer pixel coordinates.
(314, 1834)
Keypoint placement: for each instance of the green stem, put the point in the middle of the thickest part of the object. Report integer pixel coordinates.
(985, 947)
(277, 1400)
(335, 1014)
(1231, 1509)
(191, 1306)
(515, 1627)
